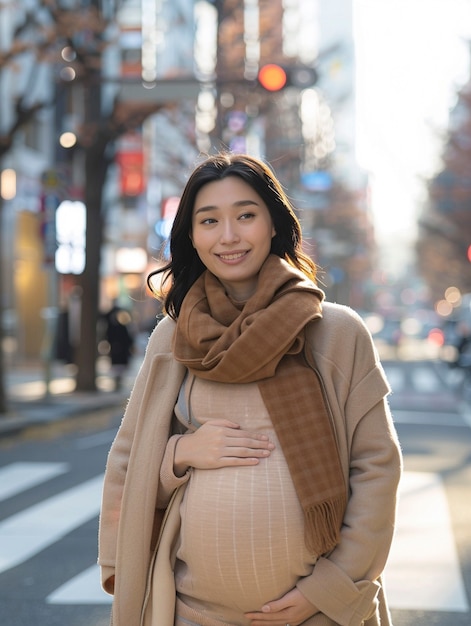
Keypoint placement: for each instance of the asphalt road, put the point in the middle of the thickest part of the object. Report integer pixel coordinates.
(50, 485)
(429, 572)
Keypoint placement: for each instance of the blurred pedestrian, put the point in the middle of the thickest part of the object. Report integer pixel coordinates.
(68, 327)
(253, 480)
(63, 347)
(120, 340)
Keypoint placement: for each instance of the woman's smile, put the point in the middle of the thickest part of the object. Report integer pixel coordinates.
(232, 256)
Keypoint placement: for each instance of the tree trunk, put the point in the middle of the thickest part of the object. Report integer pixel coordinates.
(96, 166)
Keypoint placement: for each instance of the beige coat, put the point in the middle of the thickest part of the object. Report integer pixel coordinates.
(345, 585)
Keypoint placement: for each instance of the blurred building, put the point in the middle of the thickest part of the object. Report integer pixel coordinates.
(23, 81)
(336, 215)
(306, 134)
(39, 121)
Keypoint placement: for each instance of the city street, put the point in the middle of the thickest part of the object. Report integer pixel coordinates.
(331, 137)
(429, 573)
(50, 485)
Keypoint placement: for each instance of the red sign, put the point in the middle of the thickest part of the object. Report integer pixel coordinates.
(132, 173)
(130, 158)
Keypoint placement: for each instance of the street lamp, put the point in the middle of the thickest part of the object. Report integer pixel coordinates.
(8, 184)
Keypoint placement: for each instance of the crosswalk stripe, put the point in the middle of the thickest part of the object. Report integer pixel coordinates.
(428, 418)
(18, 477)
(423, 572)
(82, 589)
(25, 534)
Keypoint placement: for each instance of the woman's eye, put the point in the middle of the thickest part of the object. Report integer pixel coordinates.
(209, 220)
(246, 216)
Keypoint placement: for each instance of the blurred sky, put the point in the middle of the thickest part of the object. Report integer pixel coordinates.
(411, 56)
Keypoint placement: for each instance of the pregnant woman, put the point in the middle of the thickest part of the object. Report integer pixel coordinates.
(253, 480)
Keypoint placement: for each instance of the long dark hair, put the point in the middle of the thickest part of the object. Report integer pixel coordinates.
(185, 265)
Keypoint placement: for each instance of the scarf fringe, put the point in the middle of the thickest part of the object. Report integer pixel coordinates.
(322, 524)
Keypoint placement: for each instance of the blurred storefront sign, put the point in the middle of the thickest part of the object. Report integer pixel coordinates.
(131, 260)
(130, 158)
(70, 226)
(319, 180)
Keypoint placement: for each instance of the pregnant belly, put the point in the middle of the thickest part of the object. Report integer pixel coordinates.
(241, 536)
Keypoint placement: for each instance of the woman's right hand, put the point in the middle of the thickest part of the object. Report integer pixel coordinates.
(220, 443)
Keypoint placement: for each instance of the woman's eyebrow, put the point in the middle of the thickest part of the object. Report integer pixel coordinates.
(213, 207)
(204, 209)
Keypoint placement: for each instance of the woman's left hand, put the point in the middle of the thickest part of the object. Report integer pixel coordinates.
(292, 609)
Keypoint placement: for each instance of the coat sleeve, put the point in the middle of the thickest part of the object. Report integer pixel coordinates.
(117, 464)
(168, 481)
(344, 584)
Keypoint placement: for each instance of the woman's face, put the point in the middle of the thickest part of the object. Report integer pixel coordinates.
(232, 231)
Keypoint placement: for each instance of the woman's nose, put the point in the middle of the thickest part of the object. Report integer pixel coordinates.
(229, 233)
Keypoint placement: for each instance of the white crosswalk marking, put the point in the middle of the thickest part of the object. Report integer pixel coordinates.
(25, 534)
(425, 380)
(82, 589)
(20, 476)
(396, 377)
(423, 572)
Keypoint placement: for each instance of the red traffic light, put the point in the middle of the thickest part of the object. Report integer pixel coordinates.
(272, 77)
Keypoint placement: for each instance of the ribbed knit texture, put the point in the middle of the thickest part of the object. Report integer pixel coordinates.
(242, 528)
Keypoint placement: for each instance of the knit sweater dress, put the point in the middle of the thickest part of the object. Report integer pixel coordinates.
(242, 533)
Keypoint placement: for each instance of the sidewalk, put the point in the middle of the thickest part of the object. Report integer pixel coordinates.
(31, 403)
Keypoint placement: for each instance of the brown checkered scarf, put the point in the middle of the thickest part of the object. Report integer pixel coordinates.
(264, 343)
